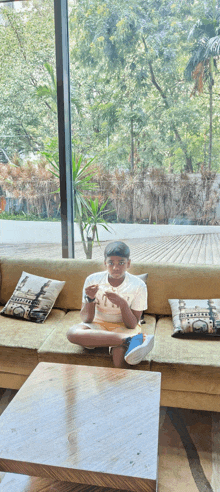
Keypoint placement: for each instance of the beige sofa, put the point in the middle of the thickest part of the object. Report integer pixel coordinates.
(190, 368)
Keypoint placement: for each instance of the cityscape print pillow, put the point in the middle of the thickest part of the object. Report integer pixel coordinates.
(33, 298)
(195, 316)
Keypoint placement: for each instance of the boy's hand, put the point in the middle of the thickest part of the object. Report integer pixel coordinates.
(115, 298)
(92, 290)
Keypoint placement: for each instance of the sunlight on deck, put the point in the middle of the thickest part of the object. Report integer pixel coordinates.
(179, 249)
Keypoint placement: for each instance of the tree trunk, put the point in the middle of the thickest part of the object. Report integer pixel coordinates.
(82, 236)
(188, 166)
(132, 168)
(90, 241)
(131, 215)
(132, 143)
(210, 122)
(89, 248)
(205, 152)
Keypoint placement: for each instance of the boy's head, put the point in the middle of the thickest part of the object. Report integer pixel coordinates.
(117, 259)
(117, 248)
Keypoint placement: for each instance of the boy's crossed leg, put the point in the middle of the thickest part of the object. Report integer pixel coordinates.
(125, 344)
(88, 337)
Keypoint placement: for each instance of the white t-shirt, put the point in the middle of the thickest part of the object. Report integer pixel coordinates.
(132, 289)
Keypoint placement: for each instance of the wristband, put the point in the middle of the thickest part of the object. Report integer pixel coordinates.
(88, 299)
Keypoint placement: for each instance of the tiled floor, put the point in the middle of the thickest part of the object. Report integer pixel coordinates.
(188, 249)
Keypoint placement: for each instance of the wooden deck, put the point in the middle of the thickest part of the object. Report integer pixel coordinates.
(189, 249)
(182, 249)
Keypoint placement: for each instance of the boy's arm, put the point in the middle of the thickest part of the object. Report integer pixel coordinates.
(87, 312)
(130, 317)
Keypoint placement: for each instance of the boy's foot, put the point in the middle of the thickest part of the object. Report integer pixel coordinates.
(139, 346)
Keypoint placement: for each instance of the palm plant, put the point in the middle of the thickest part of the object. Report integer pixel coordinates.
(203, 60)
(82, 179)
(87, 212)
(82, 176)
(48, 92)
(91, 219)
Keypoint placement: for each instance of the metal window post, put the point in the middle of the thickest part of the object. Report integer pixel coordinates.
(64, 126)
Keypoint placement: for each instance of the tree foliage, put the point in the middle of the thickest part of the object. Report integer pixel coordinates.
(26, 44)
(203, 61)
(130, 99)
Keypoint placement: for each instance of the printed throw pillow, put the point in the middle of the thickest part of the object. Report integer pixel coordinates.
(195, 316)
(33, 298)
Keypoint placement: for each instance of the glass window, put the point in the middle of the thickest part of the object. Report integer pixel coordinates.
(29, 201)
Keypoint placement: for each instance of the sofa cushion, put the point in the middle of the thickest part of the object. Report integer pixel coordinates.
(186, 365)
(195, 317)
(19, 333)
(57, 348)
(33, 298)
(19, 342)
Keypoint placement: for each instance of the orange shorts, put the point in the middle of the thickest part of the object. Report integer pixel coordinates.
(116, 327)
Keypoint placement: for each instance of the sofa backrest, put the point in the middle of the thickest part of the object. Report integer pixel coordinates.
(72, 271)
(179, 282)
(164, 281)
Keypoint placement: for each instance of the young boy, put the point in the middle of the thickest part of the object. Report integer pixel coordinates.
(112, 304)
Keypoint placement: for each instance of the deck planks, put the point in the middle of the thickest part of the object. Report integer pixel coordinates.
(190, 249)
(180, 249)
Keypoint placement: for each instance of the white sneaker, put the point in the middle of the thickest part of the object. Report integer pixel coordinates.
(139, 346)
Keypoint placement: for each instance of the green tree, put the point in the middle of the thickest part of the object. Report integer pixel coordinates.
(138, 47)
(130, 101)
(26, 45)
(203, 61)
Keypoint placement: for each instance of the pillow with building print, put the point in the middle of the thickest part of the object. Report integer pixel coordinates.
(193, 317)
(33, 298)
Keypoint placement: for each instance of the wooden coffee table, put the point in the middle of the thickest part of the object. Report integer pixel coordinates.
(88, 425)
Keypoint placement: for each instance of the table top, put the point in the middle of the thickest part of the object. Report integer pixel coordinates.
(88, 425)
